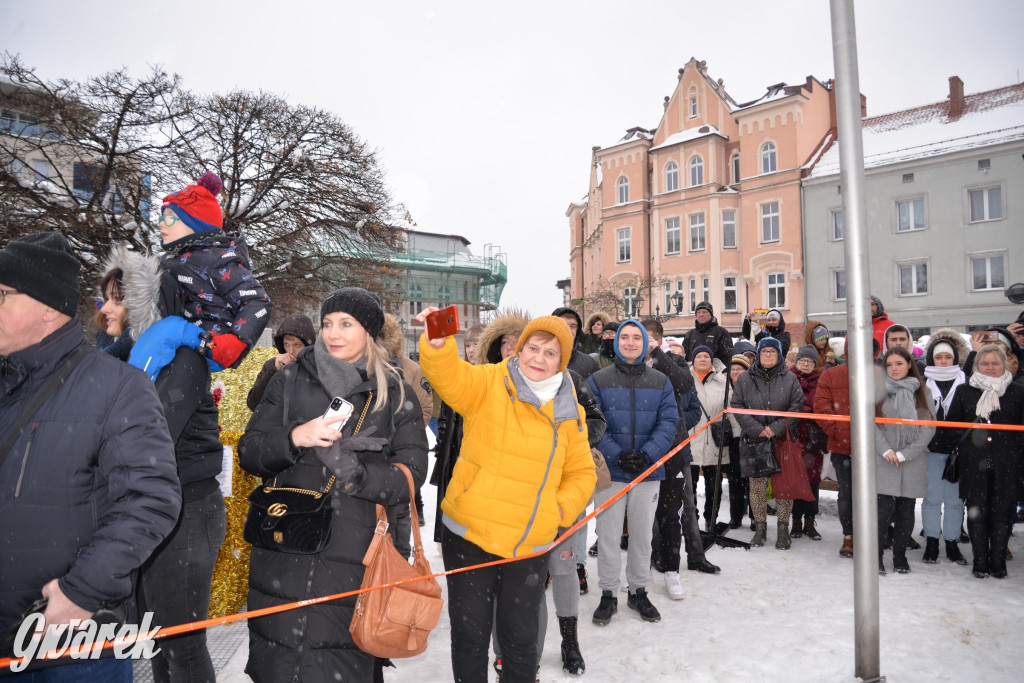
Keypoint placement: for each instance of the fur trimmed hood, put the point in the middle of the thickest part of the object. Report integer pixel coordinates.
(140, 284)
(507, 321)
(603, 317)
(951, 337)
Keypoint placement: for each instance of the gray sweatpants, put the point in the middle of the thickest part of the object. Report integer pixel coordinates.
(641, 501)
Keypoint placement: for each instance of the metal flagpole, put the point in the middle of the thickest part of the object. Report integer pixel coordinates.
(859, 334)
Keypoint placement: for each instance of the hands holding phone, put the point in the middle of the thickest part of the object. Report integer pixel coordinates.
(439, 323)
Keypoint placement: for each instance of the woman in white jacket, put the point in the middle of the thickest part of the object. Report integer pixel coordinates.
(710, 385)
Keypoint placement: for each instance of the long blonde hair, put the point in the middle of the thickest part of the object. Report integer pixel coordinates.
(379, 367)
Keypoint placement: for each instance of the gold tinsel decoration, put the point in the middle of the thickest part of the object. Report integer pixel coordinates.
(231, 574)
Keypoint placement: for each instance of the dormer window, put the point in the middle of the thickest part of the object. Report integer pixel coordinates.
(693, 106)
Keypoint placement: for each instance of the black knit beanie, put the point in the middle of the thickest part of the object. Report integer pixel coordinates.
(362, 305)
(43, 266)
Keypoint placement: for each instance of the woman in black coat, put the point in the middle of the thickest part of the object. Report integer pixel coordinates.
(289, 440)
(989, 460)
(175, 582)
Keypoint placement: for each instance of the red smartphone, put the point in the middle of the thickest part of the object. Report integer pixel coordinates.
(443, 322)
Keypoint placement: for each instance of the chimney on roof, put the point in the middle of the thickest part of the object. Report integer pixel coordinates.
(956, 97)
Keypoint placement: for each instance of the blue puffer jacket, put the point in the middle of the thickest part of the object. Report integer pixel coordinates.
(640, 408)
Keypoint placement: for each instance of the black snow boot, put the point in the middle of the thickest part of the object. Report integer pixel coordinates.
(572, 659)
(931, 550)
(609, 606)
(953, 553)
(641, 603)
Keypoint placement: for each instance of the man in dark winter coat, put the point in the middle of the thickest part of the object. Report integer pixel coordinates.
(88, 488)
(774, 327)
(293, 334)
(640, 408)
(579, 362)
(707, 332)
(676, 517)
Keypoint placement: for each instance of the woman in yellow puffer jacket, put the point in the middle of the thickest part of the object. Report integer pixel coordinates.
(524, 470)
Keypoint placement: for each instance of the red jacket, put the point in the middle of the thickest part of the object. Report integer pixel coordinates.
(833, 398)
(879, 324)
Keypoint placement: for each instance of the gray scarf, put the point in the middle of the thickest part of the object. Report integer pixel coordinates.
(904, 405)
(339, 377)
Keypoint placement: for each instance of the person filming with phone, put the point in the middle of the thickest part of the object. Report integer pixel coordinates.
(524, 471)
(299, 437)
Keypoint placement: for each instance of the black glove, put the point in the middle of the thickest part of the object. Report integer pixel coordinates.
(633, 462)
(341, 459)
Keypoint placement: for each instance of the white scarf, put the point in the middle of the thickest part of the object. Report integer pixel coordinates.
(992, 388)
(934, 375)
(545, 389)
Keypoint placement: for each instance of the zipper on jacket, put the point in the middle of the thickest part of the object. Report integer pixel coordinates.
(543, 483)
(24, 459)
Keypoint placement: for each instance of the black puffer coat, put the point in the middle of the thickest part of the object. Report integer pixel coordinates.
(711, 335)
(88, 490)
(989, 449)
(759, 389)
(313, 643)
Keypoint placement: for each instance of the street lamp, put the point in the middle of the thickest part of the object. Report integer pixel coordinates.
(634, 303)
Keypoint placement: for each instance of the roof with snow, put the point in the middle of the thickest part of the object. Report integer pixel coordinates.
(988, 118)
(689, 134)
(632, 135)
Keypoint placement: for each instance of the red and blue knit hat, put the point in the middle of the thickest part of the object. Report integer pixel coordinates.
(197, 205)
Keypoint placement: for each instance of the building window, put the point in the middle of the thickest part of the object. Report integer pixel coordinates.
(769, 162)
(984, 164)
(416, 294)
(444, 294)
(697, 232)
(988, 271)
(415, 308)
(693, 295)
(628, 294)
(693, 106)
(910, 214)
(671, 177)
(42, 169)
(839, 285)
(986, 204)
(913, 278)
(623, 186)
(837, 224)
(625, 253)
(705, 289)
(728, 229)
(672, 236)
(729, 287)
(908, 177)
(735, 169)
(776, 290)
(696, 171)
(668, 297)
(770, 222)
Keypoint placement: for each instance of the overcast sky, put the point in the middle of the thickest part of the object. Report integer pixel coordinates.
(484, 114)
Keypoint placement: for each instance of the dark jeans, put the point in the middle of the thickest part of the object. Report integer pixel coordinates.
(843, 466)
(175, 586)
(711, 478)
(510, 593)
(900, 512)
(98, 671)
(806, 508)
(737, 486)
(675, 523)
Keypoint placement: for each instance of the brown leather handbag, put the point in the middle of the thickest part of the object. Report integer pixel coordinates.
(395, 621)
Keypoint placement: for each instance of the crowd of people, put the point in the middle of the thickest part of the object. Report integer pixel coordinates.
(108, 472)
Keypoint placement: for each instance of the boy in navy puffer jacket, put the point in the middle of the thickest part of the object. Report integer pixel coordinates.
(222, 296)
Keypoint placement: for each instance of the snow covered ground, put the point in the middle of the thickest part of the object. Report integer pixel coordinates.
(787, 615)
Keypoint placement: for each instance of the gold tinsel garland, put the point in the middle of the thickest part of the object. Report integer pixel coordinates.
(231, 574)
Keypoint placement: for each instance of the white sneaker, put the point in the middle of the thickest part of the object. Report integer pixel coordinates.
(673, 585)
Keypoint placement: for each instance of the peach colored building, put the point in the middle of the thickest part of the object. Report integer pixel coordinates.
(706, 206)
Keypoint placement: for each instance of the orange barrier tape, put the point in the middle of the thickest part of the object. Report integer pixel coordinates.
(878, 420)
(219, 621)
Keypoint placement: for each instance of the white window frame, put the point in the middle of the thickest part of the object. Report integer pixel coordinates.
(836, 227)
(696, 171)
(986, 203)
(769, 158)
(767, 216)
(725, 231)
(989, 256)
(772, 289)
(911, 203)
(622, 188)
(693, 107)
(837, 275)
(623, 241)
(705, 288)
(673, 232)
(734, 163)
(730, 287)
(698, 232)
(693, 295)
(671, 176)
(668, 297)
(914, 264)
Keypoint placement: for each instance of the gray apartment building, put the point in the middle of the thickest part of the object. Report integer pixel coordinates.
(945, 208)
